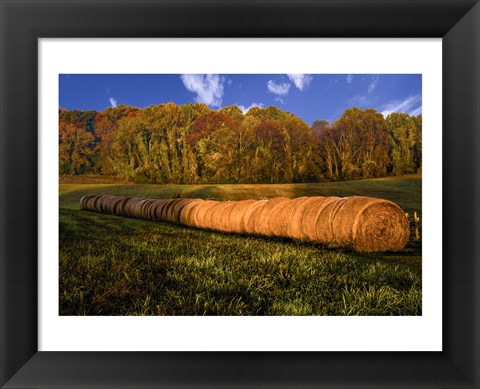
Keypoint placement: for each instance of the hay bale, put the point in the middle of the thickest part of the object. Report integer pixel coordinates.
(158, 209)
(187, 216)
(176, 209)
(265, 216)
(325, 215)
(152, 209)
(237, 215)
(298, 207)
(120, 205)
(370, 225)
(216, 222)
(84, 200)
(108, 204)
(251, 216)
(93, 202)
(129, 205)
(134, 207)
(210, 214)
(278, 219)
(224, 219)
(311, 214)
(200, 212)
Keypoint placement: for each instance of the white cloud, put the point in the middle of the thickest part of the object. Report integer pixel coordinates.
(349, 78)
(113, 102)
(278, 89)
(416, 112)
(246, 109)
(360, 100)
(208, 87)
(411, 105)
(301, 81)
(280, 100)
(373, 85)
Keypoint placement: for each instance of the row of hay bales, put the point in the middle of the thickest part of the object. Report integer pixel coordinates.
(361, 223)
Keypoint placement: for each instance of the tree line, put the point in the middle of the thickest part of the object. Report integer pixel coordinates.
(192, 143)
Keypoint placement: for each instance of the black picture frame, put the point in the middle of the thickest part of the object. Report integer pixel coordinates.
(22, 22)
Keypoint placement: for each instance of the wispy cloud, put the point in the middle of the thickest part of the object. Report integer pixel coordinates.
(411, 105)
(301, 81)
(360, 100)
(349, 78)
(278, 89)
(113, 102)
(280, 100)
(373, 84)
(208, 87)
(246, 109)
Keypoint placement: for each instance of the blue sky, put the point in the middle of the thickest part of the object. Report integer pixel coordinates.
(309, 96)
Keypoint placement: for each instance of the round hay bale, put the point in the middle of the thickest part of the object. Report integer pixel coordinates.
(145, 208)
(152, 209)
(310, 215)
(129, 205)
(279, 219)
(136, 209)
(90, 204)
(187, 216)
(98, 203)
(166, 208)
(200, 211)
(263, 218)
(251, 216)
(108, 204)
(324, 228)
(84, 200)
(299, 205)
(322, 231)
(224, 219)
(370, 225)
(158, 209)
(210, 214)
(176, 209)
(120, 206)
(237, 214)
(216, 215)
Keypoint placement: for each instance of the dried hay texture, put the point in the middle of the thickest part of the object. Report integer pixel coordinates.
(217, 221)
(158, 209)
(200, 212)
(210, 214)
(237, 215)
(265, 217)
(224, 222)
(251, 216)
(92, 203)
(187, 216)
(361, 223)
(369, 225)
(296, 215)
(323, 222)
(120, 205)
(278, 219)
(176, 209)
(84, 200)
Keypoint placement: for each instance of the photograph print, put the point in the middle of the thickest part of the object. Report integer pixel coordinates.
(240, 194)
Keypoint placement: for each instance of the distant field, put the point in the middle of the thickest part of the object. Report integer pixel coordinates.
(117, 266)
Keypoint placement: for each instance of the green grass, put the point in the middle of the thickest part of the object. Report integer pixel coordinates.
(111, 265)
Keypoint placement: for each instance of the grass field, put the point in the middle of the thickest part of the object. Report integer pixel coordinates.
(111, 265)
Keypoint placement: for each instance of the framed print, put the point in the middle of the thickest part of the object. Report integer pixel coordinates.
(47, 342)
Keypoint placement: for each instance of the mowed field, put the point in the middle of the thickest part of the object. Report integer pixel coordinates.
(110, 265)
